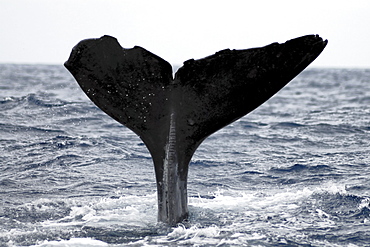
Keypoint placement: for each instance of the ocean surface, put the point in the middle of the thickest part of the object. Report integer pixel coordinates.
(294, 172)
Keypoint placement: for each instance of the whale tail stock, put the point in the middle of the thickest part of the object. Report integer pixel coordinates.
(173, 116)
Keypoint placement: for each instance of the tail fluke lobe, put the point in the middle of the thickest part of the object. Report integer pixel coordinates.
(223, 87)
(173, 116)
(130, 85)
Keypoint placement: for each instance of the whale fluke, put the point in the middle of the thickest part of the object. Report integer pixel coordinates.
(172, 116)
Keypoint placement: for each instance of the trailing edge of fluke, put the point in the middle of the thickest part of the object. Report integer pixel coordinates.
(172, 116)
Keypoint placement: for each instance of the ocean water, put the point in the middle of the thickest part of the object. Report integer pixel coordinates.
(294, 172)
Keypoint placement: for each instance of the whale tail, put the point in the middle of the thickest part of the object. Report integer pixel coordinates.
(173, 116)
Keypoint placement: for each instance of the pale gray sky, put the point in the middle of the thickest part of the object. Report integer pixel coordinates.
(44, 31)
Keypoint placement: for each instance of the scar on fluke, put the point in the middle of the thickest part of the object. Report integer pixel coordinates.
(172, 116)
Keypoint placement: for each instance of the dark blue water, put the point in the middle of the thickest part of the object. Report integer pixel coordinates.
(295, 172)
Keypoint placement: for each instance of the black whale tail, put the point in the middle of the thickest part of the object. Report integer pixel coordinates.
(173, 116)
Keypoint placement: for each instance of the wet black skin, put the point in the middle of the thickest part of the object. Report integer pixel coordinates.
(172, 116)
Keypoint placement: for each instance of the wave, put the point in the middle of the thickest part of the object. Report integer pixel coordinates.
(225, 216)
(16, 128)
(288, 125)
(31, 100)
(299, 168)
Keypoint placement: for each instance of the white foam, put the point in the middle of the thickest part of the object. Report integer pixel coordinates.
(193, 235)
(126, 210)
(365, 203)
(271, 200)
(252, 200)
(238, 217)
(73, 242)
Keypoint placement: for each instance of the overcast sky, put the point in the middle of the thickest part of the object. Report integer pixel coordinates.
(44, 31)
